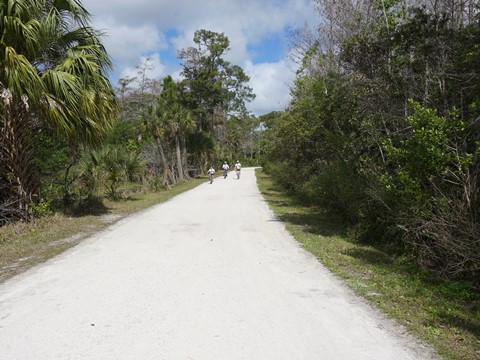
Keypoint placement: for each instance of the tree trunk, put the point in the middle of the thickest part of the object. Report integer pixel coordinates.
(179, 158)
(168, 177)
(17, 152)
(184, 158)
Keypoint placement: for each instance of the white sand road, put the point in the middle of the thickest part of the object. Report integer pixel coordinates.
(210, 274)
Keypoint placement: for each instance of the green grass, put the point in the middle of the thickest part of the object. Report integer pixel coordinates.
(23, 245)
(444, 315)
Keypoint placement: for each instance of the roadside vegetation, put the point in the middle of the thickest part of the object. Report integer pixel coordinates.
(442, 313)
(383, 128)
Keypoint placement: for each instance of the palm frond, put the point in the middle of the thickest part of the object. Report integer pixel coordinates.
(20, 76)
(73, 9)
(64, 85)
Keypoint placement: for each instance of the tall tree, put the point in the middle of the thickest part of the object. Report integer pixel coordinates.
(52, 72)
(154, 125)
(211, 84)
(177, 120)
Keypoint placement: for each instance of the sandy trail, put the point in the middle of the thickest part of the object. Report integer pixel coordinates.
(211, 274)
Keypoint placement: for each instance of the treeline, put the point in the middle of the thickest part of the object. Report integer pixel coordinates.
(383, 128)
(68, 136)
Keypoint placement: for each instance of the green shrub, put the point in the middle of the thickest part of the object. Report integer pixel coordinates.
(42, 208)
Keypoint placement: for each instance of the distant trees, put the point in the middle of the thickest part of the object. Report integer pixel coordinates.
(383, 126)
(168, 122)
(183, 125)
(211, 84)
(178, 120)
(212, 89)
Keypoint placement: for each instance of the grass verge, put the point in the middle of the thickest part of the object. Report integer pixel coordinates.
(445, 315)
(25, 245)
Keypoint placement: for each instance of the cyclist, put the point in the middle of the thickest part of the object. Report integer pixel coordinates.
(238, 167)
(225, 168)
(210, 173)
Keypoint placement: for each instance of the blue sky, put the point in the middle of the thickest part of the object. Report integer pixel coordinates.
(257, 30)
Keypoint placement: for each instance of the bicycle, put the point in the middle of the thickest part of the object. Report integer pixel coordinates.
(210, 173)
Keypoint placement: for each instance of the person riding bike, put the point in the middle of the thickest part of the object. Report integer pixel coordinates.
(225, 168)
(210, 173)
(238, 167)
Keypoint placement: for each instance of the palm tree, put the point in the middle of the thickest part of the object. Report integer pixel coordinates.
(180, 121)
(90, 172)
(52, 73)
(152, 121)
(114, 165)
(108, 167)
(175, 118)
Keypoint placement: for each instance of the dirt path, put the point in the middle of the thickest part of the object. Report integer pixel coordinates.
(208, 275)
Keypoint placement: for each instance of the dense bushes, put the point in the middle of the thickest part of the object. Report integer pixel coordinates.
(386, 134)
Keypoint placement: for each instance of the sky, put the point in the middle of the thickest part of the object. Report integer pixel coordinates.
(257, 29)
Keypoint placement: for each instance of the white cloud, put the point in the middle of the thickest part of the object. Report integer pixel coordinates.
(259, 16)
(137, 29)
(271, 83)
(156, 69)
(244, 22)
(126, 44)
